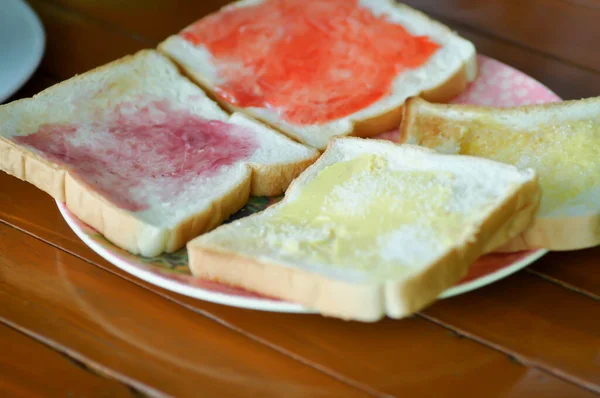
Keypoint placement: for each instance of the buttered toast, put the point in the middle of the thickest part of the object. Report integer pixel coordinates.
(372, 229)
(140, 153)
(561, 141)
(320, 69)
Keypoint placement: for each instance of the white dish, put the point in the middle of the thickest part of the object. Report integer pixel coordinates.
(22, 43)
(497, 84)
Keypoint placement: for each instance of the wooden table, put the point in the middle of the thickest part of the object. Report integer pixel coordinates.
(73, 325)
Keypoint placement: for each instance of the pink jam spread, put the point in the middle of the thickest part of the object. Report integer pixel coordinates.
(134, 154)
(313, 61)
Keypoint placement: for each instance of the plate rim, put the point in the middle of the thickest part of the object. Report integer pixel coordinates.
(263, 304)
(38, 50)
(495, 276)
(266, 304)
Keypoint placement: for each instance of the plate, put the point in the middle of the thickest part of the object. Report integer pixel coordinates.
(22, 43)
(498, 85)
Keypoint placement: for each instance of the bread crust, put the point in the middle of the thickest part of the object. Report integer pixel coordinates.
(557, 234)
(122, 227)
(382, 122)
(390, 120)
(551, 233)
(368, 302)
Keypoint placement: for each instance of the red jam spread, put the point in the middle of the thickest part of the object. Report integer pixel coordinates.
(133, 154)
(314, 61)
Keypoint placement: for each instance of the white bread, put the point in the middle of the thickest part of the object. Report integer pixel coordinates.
(445, 75)
(172, 211)
(454, 209)
(561, 141)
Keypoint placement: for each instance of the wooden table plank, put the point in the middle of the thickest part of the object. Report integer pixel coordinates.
(566, 80)
(539, 322)
(155, 20)
(461, 367)
(31, 369)
(457, 365)
(136, 336)
(77, 44)
(550, 26)
(577, 269)
(567, 30)
(164, 17)
(334, 347)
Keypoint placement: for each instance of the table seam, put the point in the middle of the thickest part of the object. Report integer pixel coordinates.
(522, 359)
(367, 389)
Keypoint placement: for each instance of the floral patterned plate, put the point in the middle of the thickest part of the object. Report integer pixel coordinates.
(497, 85)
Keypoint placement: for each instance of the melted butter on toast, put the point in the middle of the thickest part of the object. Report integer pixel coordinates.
(354, 212)
(565, 156)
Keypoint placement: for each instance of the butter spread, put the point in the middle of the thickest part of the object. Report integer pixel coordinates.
(565, 156)
(348, 213)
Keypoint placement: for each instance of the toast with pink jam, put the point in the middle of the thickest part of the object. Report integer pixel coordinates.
(141, 154)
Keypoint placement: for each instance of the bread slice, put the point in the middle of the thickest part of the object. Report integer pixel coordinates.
(371, 229)
(140, 153)
(322, 54)
(561, 141)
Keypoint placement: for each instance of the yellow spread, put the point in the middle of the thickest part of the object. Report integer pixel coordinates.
(566, 157)
(345, 214)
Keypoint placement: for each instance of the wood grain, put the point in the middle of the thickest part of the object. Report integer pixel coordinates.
(136, 336)
(77, 44)
(576, 269)
(31, 369)
(422, 356)
(81, 22)
(154, 20)
(539, 322)
(566, 80)
(334, 348)
(549, 26)
(564, 29)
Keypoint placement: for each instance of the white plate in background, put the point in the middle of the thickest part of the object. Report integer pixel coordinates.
(22, 43)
